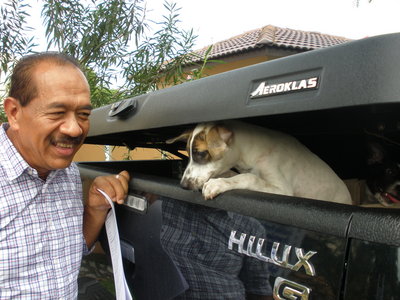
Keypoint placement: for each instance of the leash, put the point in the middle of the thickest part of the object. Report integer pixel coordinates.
(379, 136)
(121, 287)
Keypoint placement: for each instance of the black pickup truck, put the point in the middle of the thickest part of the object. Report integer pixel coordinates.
(269, 246)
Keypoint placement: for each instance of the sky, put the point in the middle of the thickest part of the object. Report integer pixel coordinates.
(217, 20)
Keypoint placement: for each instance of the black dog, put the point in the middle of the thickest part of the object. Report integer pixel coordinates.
(383, 172)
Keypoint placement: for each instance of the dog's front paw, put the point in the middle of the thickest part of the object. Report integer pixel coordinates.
(213, 187)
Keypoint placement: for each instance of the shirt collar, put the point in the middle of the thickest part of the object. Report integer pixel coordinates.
(11, 160)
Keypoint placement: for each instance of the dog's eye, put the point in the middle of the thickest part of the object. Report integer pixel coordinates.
(389, 171)
(201, 136)
(200, 156)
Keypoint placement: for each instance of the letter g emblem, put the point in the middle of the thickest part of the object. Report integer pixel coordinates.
(289, 290)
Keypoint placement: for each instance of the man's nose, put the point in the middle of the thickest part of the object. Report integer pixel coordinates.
(71, 127)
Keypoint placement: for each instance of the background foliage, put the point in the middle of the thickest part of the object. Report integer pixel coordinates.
(124, 52)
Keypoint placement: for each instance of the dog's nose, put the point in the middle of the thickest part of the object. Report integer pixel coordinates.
(185, 184)
(189, 184)
(185, 187)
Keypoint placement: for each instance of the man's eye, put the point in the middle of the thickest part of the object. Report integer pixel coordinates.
(57, 113)
(84, 115)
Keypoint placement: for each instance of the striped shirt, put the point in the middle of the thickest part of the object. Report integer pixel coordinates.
(41, 239)
(196, 238)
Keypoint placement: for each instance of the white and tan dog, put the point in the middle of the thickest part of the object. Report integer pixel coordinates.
(268, 161)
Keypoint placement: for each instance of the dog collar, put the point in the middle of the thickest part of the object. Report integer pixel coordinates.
(391, 197)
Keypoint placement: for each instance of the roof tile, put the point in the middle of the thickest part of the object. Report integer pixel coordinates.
(270, 36)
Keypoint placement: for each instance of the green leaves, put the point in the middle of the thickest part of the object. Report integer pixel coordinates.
(159, 58)
(124, 53)
(14, 38)
(98, 33)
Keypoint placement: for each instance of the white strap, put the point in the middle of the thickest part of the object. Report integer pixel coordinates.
(121, 287)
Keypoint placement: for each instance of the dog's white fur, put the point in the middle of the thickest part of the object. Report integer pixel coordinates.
(268, 161)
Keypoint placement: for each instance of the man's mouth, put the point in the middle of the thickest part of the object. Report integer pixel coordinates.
(66, 146)
(63, 145)
(65, 149)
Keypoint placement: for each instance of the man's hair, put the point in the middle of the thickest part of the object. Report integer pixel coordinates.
(23, 86)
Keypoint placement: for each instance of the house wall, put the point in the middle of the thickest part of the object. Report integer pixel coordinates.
(232, 64)
(97, 153)
(240, 60)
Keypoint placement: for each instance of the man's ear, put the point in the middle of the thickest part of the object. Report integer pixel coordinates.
(12, 108)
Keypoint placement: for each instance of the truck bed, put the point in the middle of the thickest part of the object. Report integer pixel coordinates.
(332, 100)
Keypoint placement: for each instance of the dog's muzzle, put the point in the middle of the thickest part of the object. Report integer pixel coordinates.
(188, 184)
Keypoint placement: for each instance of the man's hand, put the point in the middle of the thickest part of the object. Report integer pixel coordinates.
(96, 207)
(115, 186)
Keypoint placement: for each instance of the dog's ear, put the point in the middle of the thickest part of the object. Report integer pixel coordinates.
(183, 137)
(376, 153)
(218, 139)
(225, 134)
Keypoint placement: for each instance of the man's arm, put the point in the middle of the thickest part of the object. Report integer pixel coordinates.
(96, 207)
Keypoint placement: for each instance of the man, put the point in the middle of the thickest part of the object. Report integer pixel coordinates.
(44, 228)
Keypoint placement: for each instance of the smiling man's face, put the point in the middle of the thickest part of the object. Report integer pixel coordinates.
(51, 128)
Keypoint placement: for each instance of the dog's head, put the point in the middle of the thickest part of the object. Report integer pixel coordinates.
(383, 173)
(208, 146)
